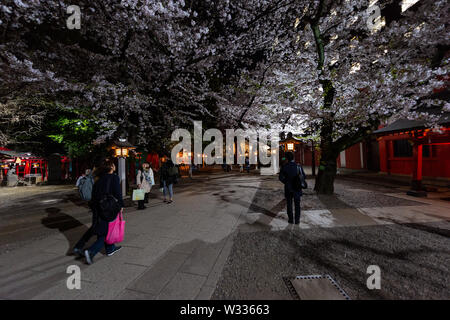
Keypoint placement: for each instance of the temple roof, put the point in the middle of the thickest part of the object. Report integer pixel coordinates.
(405, 124)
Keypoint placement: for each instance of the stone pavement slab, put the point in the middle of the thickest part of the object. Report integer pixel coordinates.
(216, 271)
(128, 294)
(153, 280)
(28, 284)
(205, 293)
(203, 258)
(183, 286)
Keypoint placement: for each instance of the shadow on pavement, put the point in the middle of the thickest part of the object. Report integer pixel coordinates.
(64, 223)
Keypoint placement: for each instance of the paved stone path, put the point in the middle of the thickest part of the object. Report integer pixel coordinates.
(171, 251)
(178, 250)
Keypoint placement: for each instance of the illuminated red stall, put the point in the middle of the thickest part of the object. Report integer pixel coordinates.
(26, 165)
(408, 147)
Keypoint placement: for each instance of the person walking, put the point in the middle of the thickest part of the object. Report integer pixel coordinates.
(247, 165)
(85, 183)
(294, 179)
(145, 180)
(168, 176)
(77, 184)
(190, 170)
(108, 183)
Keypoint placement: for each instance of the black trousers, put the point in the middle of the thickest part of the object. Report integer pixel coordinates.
(293, 196)
(141, 202)
(85, 238)
(89, 233)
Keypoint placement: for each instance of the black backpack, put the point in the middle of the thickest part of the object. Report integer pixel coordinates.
(173, 174)
(299, 182)
(173, 171)
(108, 205)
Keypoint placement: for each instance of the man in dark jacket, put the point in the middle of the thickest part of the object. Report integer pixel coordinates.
(168, 176)
(287, 175)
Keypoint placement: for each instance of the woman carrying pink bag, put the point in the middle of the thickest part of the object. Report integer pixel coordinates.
(107, 220)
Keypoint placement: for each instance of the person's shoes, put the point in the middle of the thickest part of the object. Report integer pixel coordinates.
(165, 200)
(88, 257)
(290, 221)
(170, 201)
(114, 251)
(77, 252)
(297, 222)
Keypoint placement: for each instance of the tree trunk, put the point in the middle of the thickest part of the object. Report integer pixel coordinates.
(328, 154)
(327, 173)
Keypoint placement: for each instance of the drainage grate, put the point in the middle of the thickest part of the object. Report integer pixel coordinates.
(315, 287)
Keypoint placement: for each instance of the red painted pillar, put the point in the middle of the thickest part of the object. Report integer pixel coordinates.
(417, 189)
(419, 162)
(382, 154)
(417, 158)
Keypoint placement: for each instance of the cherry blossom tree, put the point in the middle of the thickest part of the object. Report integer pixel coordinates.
(141, 68)
(332, 74)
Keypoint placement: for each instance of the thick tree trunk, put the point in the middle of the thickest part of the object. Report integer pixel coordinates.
(328, 154)
(327, 173)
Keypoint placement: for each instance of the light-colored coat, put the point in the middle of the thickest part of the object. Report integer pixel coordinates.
(140, 180)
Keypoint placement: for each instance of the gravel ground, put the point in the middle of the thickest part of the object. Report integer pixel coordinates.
(348, 194)
(414, 264)
(414, 259)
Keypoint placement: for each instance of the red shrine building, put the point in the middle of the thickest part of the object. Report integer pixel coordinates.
(405, 147)
(410, 148)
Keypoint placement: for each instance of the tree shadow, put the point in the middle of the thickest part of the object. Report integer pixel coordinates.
(64, 223)
(75, 199)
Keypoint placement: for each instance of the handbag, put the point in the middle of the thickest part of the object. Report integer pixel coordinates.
(108, 205)
(138, 194)
(116, 230)
(299, 182)
(302, 175)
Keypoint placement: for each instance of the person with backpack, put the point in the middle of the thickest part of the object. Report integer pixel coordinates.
(294, 179)
(168, 176)
(106, 203)
(145, 180)
(77, 184)
(247, 164)
(85, 183)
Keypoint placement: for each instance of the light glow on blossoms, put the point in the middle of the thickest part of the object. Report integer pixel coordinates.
(406, 4)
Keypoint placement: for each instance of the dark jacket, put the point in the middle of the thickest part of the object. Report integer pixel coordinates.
(100, 189)
(165, 176)
(287, 175)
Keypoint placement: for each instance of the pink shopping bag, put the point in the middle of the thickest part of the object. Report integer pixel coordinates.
(116, 230)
